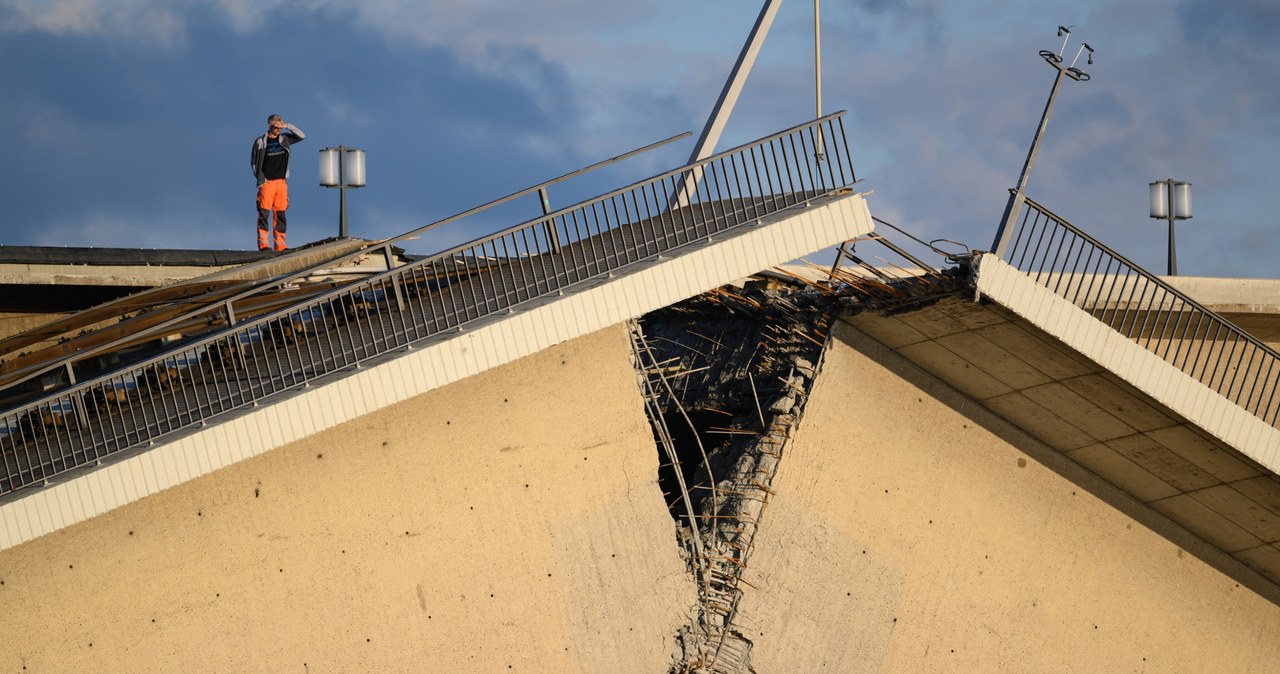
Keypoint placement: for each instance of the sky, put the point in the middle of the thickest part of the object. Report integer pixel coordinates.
(129, 122)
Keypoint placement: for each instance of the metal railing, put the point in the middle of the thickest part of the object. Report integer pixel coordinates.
(248, 362)
(233, 302)
(1147, 310)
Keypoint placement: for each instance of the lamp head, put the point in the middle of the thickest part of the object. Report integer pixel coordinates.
(1063, 31)
(1090, 50)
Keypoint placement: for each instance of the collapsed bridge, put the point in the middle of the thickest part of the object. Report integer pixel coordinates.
(457, 451)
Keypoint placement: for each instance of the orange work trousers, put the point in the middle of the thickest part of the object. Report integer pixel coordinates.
(273, 195)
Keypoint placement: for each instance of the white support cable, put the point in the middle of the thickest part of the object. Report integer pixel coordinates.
(719, 117)
(817, 70)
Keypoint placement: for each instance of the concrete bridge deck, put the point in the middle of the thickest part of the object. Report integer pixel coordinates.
(404, 372)
(1107, 404)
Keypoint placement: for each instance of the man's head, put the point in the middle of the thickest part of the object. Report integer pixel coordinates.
(274, 124)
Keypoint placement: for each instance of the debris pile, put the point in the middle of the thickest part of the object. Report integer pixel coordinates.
(726, 376)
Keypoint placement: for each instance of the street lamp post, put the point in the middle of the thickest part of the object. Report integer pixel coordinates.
(342, 167)
(1018, 197)
(817, 73)
(1170, 200)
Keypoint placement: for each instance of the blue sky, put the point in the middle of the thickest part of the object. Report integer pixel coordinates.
(128, 122)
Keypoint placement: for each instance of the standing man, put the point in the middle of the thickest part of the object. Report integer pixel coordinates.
(270, 162)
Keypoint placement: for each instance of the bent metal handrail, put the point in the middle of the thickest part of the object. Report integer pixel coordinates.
(1147, 310)
(243, 364)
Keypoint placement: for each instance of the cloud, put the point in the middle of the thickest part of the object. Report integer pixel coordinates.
(471, 28)
(153, 23)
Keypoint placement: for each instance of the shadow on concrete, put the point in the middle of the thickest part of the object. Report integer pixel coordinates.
(1059, 464)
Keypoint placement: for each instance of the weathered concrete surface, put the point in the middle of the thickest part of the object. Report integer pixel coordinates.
(149, 268)
(1097, 419)
(34, 294)
(912, 530)
(1231, 295)
(1252, 304)
(14, 322)
(508, 520)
